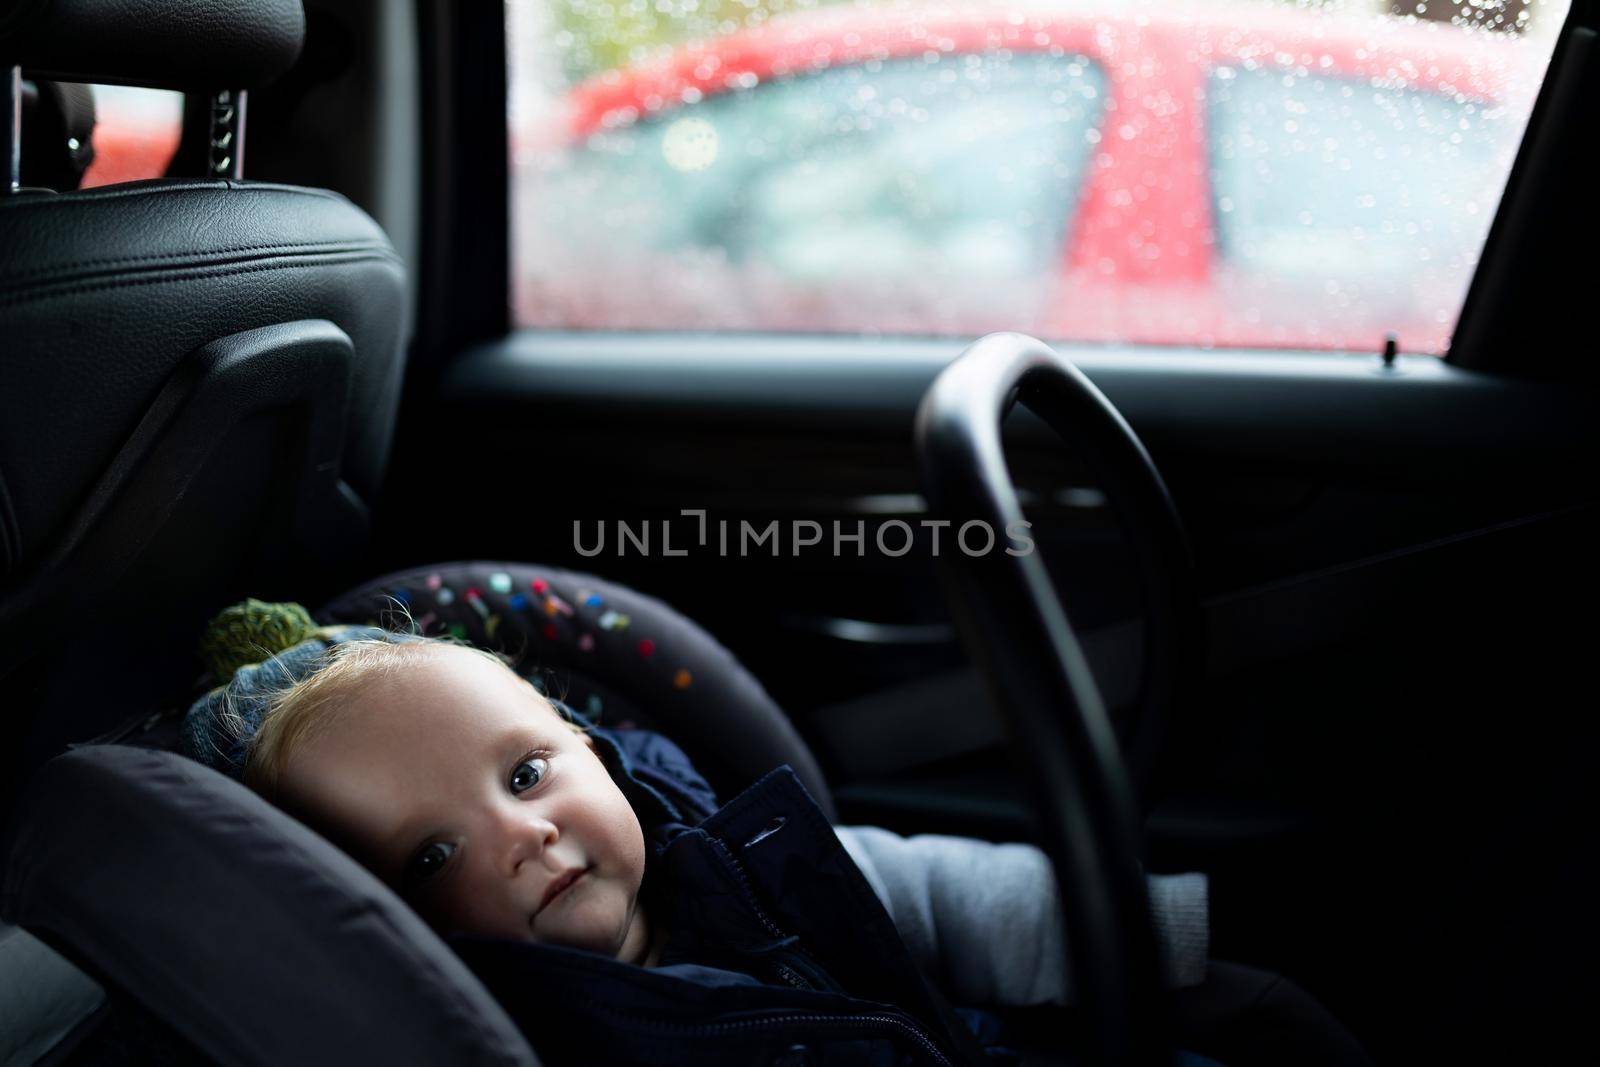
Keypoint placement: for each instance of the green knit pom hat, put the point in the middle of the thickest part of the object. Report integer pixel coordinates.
(251, 631)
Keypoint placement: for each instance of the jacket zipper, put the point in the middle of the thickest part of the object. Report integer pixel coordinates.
(794, 979)
(750, 894)
(791, 975)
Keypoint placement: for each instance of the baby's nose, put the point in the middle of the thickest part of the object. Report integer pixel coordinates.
(526, 838)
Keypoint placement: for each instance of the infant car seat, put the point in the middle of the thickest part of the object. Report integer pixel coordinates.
(228, 931)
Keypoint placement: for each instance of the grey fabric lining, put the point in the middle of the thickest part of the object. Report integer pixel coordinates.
(43, 998)
(984, 920)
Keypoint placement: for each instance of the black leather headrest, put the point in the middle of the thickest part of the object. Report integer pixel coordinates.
(197, 45)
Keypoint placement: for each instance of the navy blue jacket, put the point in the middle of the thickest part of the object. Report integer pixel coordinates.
(778, 951)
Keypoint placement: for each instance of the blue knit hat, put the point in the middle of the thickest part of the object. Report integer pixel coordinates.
(219, 727)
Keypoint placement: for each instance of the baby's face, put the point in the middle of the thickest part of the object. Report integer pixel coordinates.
(461, 787)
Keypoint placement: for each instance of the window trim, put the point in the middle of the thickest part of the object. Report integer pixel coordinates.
(1518, 317)
(464, 271)
(1290, 410)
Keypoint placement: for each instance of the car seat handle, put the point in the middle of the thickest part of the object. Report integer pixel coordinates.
(1013, 626)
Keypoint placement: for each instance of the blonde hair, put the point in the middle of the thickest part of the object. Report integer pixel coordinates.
(310, 705)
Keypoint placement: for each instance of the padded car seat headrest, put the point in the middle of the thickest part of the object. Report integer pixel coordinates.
(199, 45)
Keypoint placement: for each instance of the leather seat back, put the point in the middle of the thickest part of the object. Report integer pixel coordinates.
(198, 384)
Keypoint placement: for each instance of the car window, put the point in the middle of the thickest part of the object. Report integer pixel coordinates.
(1372, 200)
(1184, 173)
(913, 191)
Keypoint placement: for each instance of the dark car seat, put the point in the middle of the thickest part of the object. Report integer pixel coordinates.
(199, 375)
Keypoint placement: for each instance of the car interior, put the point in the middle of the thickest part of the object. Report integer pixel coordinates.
(1311, 621)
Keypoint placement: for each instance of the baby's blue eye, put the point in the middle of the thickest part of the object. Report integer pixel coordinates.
(529, 773)
(429, 862)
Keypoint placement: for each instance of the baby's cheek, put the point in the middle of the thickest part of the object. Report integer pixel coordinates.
(633, 849)
(615, 823)
(610, 918)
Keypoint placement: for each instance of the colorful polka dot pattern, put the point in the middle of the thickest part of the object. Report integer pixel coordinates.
(552, 616)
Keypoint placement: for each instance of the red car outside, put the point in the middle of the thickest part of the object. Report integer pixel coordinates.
(1183, 228)
(136, 134)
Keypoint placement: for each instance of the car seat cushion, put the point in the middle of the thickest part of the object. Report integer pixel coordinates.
(121, 853)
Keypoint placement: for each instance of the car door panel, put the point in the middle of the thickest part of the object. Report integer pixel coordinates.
(1332, 501)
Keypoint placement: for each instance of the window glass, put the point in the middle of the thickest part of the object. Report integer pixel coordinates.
(136, 133)
(1363, 205)
(915, 194)
(1145, 171)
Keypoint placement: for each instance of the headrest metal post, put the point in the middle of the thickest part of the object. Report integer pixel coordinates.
(11, 101)
(226, 156)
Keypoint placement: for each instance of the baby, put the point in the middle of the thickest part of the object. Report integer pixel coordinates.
(462, 787)
(529, 835)
(459, 785)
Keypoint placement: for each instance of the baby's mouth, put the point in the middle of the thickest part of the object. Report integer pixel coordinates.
(561, 884)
